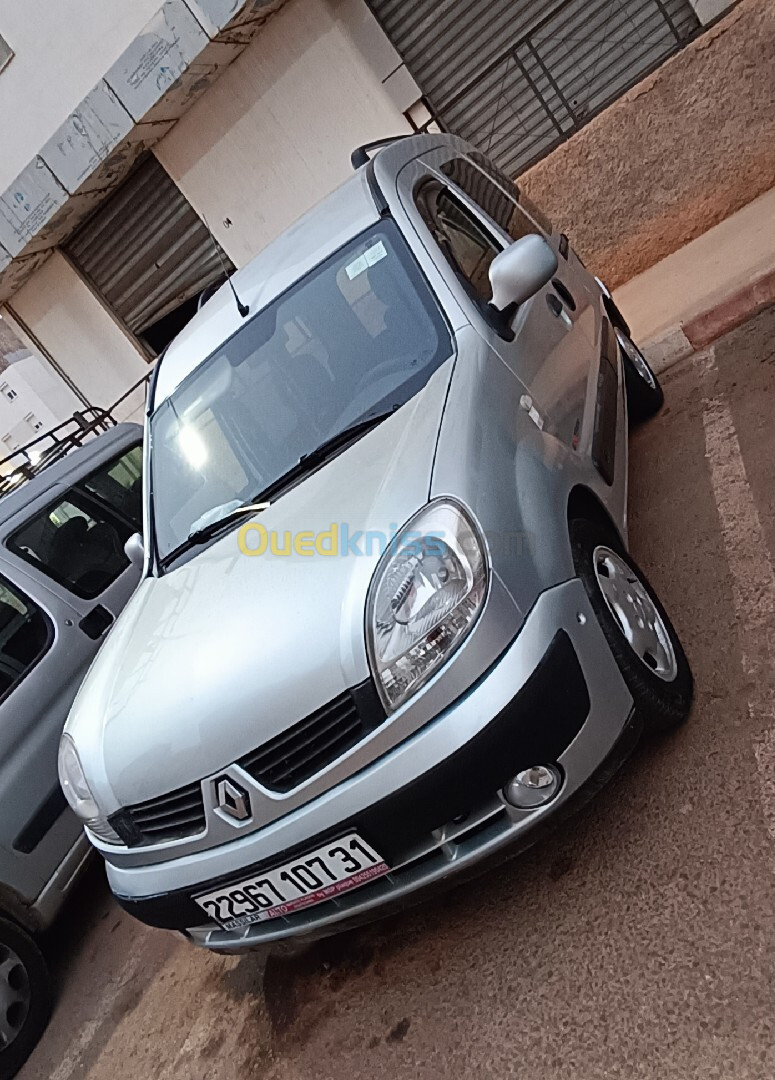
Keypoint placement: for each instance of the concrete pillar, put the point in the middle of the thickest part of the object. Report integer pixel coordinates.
(708, 10)
(70, 325)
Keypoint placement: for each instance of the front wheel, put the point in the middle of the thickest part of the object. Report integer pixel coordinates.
(25, 997)
(639, 632)
(645, 396)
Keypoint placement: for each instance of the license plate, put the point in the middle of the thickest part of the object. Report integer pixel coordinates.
(328, 871)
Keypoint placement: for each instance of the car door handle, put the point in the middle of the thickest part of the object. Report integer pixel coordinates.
(555, 305)
(557, 309)
(564, 294)
(96, 622)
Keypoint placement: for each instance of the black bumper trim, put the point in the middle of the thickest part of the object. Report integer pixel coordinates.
(537, 726)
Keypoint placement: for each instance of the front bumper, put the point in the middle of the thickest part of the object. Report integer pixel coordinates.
(433, 806)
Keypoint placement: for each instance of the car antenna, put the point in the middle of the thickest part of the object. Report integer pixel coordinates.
(243, 309)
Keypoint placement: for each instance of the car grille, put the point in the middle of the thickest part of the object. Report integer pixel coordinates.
(170, 817)
(280, 765)
(298, 753)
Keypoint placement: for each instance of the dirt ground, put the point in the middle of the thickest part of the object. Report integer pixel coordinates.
(637, 944)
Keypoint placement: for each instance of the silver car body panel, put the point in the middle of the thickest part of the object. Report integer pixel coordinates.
(168, 624)
(56, 890)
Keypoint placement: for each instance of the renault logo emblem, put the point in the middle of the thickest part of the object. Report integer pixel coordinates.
(232, 800)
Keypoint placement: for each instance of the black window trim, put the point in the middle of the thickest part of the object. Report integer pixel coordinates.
(514, 195)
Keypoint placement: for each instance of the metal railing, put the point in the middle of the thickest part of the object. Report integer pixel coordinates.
(51, 446)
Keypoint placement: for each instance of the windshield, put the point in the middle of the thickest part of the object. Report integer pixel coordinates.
(358, 336)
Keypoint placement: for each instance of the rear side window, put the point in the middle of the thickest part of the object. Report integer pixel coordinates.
(79, 540)
(25, 635)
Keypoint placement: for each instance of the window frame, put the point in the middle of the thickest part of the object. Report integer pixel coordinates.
(164, 563)
(13, 587)
(511, 188)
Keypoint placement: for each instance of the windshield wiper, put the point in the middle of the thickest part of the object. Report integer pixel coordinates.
(307, 463)
(312, 460)
(212, 528)
(360, 427)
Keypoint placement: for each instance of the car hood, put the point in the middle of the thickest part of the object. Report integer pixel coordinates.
(228, 650)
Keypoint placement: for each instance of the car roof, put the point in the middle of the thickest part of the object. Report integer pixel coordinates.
(77, 463)
(321, 231)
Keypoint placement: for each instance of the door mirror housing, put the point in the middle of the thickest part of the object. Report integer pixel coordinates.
(520, 271)
(134, 549)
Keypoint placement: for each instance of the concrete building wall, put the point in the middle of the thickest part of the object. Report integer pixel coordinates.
(61, 49)
(684, 149)
(73, 326)
(274, 135)
(30, 395)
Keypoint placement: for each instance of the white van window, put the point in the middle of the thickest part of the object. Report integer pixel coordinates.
(120, 485)
(75, 543)
(79, 540)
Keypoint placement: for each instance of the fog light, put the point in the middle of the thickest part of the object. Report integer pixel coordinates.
(533, 787)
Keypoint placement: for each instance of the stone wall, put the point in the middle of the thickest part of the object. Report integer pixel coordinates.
(684, 149)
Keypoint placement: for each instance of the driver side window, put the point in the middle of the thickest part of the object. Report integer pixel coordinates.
(467, 245)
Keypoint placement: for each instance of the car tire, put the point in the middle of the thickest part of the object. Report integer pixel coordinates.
(25, 997)
(639, 632)
(645, 396)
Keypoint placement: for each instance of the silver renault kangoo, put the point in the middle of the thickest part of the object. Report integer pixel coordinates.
(388, 628)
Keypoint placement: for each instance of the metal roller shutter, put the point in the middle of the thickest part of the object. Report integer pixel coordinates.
(516, 78)
(145, 250)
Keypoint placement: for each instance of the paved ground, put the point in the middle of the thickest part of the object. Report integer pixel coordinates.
(639, 944)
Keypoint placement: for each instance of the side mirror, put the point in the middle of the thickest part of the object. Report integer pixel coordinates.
(520, 271)
(134, 549)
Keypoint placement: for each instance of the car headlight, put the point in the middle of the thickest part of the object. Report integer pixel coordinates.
(425, 596)
(78, 793)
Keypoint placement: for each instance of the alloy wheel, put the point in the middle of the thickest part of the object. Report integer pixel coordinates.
(635, 612)
(637, 359)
